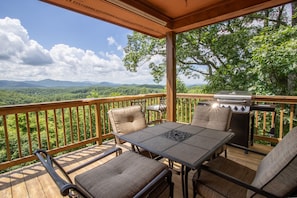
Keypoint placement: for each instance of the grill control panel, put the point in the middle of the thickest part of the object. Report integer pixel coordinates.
(237, 108)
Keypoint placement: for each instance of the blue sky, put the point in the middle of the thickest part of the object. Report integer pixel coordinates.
(50, 25)
(41, 41)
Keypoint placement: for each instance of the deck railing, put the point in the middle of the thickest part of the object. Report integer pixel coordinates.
(58, 126)
(63, 126)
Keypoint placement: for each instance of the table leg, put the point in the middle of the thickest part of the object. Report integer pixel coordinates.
(184, 177)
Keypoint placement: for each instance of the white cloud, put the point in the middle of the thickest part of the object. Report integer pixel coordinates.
(17, 47)
(22, 58)
(111, 41)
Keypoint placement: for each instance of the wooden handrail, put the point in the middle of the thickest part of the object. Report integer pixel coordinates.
(65, 125)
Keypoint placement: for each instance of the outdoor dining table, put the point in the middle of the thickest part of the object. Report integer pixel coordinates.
(186, 144)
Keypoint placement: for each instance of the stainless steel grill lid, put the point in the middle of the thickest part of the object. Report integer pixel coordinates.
(238, 101)
(233, 95)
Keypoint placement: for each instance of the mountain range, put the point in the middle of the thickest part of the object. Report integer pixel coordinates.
(51, 83)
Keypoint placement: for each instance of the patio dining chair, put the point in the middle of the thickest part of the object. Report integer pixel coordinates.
(115, 178)
(159, 108)
(217, 118)
(126, 120)
(275, 176)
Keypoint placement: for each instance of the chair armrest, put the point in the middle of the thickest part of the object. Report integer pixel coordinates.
(155, 182)
(246, 149)
(116, 150)
(48, 162)
(237, 181)
(65, 186)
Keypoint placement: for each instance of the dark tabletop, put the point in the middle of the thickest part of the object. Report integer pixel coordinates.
(187, 144)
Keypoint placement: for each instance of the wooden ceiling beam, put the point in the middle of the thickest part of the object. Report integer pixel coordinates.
(148, 18)
(221, 12)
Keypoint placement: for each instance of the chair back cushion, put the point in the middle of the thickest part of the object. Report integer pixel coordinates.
(213, 118)
(127, 119)
(277, 172)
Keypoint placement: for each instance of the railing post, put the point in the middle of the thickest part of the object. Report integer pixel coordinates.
(256, 127)
(6, 138)
(281, 122)
(98, 124)
(291, 115)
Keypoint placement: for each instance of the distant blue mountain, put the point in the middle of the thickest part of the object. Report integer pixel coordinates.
(16, 84)
(51, 83)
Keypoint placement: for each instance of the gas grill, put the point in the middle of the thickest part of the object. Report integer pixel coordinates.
(240, 103)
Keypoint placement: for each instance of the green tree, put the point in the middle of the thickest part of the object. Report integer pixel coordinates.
(199, 89)
(274, 62)
(93, 94)
(218, 52)
(181, 86)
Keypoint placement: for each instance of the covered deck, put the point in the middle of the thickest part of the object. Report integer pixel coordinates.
(61, 127)
(87, 119)
(33, 181)
(165, 19)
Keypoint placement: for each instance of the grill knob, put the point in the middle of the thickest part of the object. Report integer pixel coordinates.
(242, 108)
(235, 108)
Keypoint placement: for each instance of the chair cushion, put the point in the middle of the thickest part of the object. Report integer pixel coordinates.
(214, 118)
(123, 176)
(277, 171)
(210, 185)
(127, 119)
(158, 107)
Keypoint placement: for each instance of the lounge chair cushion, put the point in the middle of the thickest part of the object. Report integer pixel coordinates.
(126, 120)
(118, 178)
(277, 171)
(213, 118)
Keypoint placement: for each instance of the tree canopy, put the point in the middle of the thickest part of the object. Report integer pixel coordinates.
(274, 61)
(228, 54)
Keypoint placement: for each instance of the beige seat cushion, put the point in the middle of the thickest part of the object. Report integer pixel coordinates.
(277, 172)
(126, 120)
(122, 176)
(213, 118)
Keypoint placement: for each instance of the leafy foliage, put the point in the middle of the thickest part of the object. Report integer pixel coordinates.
(274, 61)
(36, 95)
(221, 53)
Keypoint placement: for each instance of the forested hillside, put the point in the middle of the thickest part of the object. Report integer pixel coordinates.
(36, 95)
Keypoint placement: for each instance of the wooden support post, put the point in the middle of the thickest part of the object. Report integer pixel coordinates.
(171, 76)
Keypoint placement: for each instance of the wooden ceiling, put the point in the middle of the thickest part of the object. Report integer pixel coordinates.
(157, 17)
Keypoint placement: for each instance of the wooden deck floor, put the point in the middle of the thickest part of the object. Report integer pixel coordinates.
(32, 181)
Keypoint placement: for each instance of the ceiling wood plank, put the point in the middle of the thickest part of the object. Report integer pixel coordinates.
(221, 12)
(207, 12)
